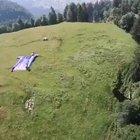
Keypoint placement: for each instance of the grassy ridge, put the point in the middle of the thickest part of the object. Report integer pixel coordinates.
(71, 81)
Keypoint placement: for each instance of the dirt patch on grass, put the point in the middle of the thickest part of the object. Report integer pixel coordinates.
(3, 113)
(59, 40)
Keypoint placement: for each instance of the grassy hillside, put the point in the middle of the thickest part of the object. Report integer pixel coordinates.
(71, 81)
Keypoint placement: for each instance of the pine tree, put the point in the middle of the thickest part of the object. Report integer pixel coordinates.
(52, 17)
(59, 18)
(135, 6)
(96, 16)
(85, 14)
(71, 14)
(38, 22)
(65, 12)
(127, 21)
(15, 27)
(80, 14)
(125, 7)
(44, 20)
(74, 11)
(32, 21)
(3, 29)
(27, 24)
(136, 30)
(89, 12)
(21, 24)
(117, 3)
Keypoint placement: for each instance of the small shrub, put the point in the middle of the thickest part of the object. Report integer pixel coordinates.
(129, 113)
(127, 21)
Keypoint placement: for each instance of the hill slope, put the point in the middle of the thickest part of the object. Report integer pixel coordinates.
(71, 81)
(11, 11)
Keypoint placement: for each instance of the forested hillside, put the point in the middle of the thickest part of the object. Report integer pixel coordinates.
(10, 12)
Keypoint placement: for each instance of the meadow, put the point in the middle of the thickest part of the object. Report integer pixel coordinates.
(71, 81)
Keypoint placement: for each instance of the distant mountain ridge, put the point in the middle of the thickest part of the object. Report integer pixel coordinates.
(39, 8)
(39, 11)
(11, 11)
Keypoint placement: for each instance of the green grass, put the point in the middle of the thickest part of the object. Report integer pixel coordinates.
(71, 81)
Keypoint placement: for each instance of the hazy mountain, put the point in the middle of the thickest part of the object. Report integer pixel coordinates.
(39, 11)
(39, 7)
(11, 11)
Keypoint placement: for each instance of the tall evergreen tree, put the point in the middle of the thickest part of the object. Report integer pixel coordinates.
(32, 21)
(65, 12)
(135, 6)
(85, 14)
(27, 24)
(115, 15)
(89, 12)
(96, 9)
(21, 24)
(15, 27)
(80, 14)
(3, 29)
(71, 15)
(136, 30)
(52, 17)
(38, 22)
(117, 3)
(59, 18)
(125, 6)
(127, 21)
(74, 11)
(44, 20)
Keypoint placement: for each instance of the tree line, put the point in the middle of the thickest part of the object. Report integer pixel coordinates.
(123, 13)
(87, 12)
(126, 15)
(53, 18)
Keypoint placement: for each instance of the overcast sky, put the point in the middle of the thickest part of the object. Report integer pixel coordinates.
(48, 3)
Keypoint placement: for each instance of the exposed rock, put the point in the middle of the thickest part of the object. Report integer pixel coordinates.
(29, 105)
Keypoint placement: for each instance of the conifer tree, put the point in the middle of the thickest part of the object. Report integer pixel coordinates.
(80, 14)
(59, 18)
(136, 30)
(44, 20)
(117, 3)
(52, 17)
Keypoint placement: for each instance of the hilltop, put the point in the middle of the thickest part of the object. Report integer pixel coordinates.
(71, 82)
(11, 11)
